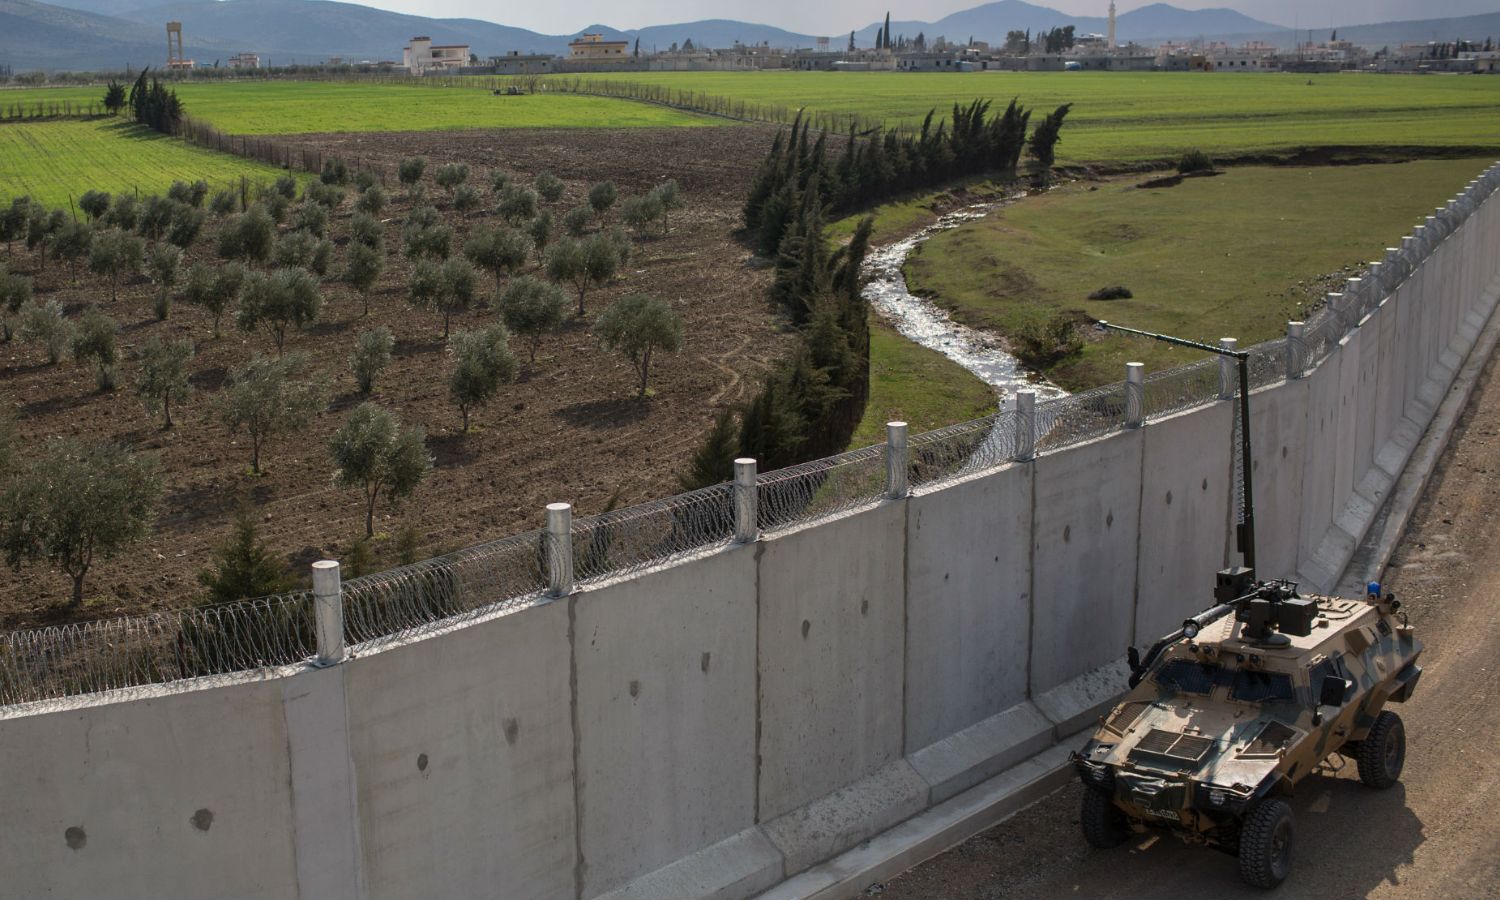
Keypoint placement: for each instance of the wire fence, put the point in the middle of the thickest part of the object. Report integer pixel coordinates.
(259, 636)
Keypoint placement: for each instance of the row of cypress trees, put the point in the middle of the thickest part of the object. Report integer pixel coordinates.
(154, 105)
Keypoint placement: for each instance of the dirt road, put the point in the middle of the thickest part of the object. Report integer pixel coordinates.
(1435, 835)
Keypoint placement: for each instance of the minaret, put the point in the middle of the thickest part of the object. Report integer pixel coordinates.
(1111, 24)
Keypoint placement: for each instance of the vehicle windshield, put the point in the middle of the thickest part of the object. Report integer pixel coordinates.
(1189, 677)
(1260, 687)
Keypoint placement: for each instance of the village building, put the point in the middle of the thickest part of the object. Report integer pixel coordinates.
(422, 56)
(593, 48)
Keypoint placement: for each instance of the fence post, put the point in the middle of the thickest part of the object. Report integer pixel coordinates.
(1295, 350)
(1025, 425)
(746, 502)
(1135, 394)
(328, 600)
(896, 460)
(1376, 279)
(1229, 373)
(559, 544)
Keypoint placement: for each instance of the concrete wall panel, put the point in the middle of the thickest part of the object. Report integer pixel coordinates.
(968, 584)
(1346, 428)
(666, 715)
(463, 753)
(1186, 486)
(1087, 515)
(1318, 455)
(184, 795)
(1278, 430)
(832, 622)
(1366, 396)
(1388, 373)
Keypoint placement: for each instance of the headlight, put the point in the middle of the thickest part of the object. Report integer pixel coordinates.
(1216, 797)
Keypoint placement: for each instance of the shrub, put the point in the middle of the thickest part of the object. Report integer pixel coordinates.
(187, 223)
(162, 378)
(640, 212)
(244, 567)
(549, 186)
(602, 197)
(532, 308)
(156, 214)
(329, 195)
(638, 327)
(123, 213)
(74, 505)
(669, 196)
(188, 194)
(94, 342)
(95, 204)
(285, 186)
(482, 361)
(46, 325)
(426, 235)
(15, 293)
(517, 204)
(365, 180)
(72, 242)
(372, 201)
(1041, 345)
(1115, 292)
(713, 462)
(249, 236)
(372, 451)
(275, 206)
(1194, 161)
(335, 171)
(540, 232)
(214, 291)
(266, 398)
(372, 353)
(499, 180)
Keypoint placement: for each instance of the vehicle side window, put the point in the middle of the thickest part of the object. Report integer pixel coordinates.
(1261, 687)
(1334, 666)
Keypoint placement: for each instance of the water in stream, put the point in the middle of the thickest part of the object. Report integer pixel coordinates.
(922, 321)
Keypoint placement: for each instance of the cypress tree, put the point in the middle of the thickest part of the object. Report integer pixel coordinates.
(244, 567)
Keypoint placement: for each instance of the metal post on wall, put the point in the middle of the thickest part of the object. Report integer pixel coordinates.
(746, 502)
(896, 460)
(1135, 394)
(1025, 425)
(328, 604)
(559, 543)
(1295, 350)
(1227, 376)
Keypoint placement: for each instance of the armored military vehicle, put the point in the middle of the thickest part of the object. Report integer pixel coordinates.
(1227, 714)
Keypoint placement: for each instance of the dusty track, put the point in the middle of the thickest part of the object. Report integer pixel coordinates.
(1432, 836)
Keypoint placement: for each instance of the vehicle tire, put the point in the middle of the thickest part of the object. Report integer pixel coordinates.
(1103, 823)
(1382, 754)
(1266, 844)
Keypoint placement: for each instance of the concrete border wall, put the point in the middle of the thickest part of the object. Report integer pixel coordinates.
(711, 727)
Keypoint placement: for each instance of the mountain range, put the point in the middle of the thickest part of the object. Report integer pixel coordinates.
(111, 34)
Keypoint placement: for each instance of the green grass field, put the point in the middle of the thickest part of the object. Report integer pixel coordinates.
(51, 161)
(1232, 255)
(1143, 115)
(304, 107)
(921, 387)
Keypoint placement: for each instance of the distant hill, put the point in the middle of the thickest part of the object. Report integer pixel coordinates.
(992, 21)
(38, 36)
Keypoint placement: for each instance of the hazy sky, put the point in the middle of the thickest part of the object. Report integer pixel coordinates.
(839, 16)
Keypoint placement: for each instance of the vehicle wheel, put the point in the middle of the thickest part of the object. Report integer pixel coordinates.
(1382, 754)
(1103, 822)
(1266, 844)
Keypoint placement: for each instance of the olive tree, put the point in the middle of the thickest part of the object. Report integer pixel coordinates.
(311, 217)
(410, 171)
(638, 327)
(532, 308)
(602, 197)
(366, 229)
(13, 222)
(72, 242)
(115, 253)
(362, 268)
(15, 294)
(74, 504)
(95, 204)
(162, 376)
(540, 232)
(303, 250)
(583, 263)
(372, 353)
(186, 225)
(465, 199)
(669, 196)
(286, 298)
(214, 290)
(222, 203)
(482, 361)
(163, 265)
(451, 175)
(640, 212)
(372, 451)
(94, 343)
(446, 288)
(45, 324)
(249, 236)
(371, 201)
(577, 220)
(517, 204)
(269, 397)
(549, 186)
(123, 213)
(156, 215)
(500, 251)
(426, 234)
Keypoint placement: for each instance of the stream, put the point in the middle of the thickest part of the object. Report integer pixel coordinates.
(923, 322)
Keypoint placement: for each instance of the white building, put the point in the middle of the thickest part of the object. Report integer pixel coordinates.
(422, 55)
(245, 61)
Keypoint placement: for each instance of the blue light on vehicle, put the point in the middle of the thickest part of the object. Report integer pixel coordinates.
(1373, 589)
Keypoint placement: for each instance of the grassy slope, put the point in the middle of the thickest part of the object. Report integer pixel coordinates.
(921, 387)
(1124, 116)
(52, 160)
(1212, 257)
(300, 107)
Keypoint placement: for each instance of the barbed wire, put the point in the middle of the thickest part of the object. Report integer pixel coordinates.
(271, 632)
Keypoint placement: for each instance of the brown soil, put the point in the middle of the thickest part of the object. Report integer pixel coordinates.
(570, 430)
(1431, 836)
